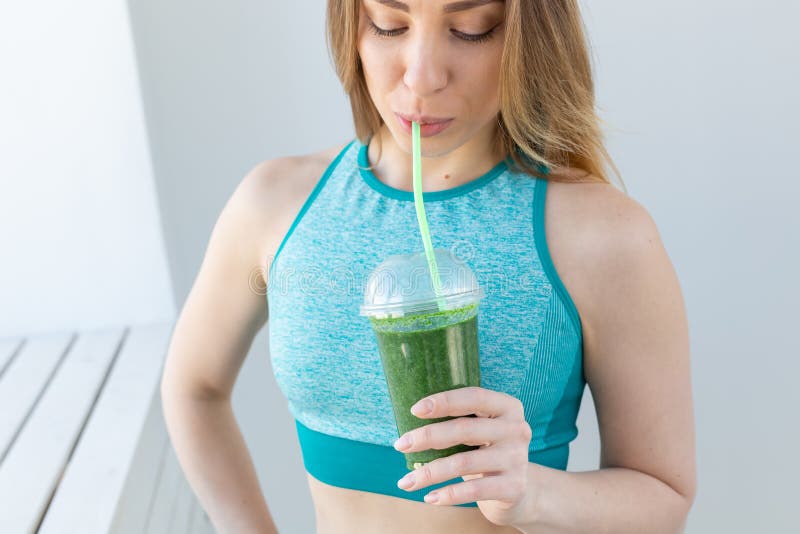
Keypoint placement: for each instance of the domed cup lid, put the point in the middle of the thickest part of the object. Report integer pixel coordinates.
(402, 285)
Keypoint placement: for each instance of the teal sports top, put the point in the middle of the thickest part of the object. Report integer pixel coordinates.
(325, 356)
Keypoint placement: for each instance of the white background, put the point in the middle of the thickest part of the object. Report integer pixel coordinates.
(80, 234)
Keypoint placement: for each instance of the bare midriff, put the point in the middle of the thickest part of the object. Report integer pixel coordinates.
(347, 511)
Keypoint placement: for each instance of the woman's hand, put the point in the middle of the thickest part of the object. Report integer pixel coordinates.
(496, 474)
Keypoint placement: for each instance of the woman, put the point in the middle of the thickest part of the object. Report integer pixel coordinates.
(592, 300)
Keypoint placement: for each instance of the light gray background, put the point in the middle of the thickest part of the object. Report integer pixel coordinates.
(701, 101)
(80, 235)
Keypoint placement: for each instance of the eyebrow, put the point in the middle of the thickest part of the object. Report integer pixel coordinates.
(462, 5)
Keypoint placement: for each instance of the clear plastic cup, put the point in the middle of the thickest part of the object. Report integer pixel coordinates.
(427, 344)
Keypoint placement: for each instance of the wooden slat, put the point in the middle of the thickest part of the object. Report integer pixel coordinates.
(193, 525)
(34, 464)
(87, 498)
(204, 523)
(166, 495)
(8, 348)
(160, 485)
(200, 522)
(183, 506)
(24, 381)
(135, 501)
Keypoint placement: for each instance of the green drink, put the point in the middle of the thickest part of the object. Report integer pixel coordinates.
(428, 354)
(427, 344)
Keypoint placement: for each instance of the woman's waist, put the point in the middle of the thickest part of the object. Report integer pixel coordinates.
(343, 511)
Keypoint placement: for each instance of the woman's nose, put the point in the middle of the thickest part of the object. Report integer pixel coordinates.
(426, 69)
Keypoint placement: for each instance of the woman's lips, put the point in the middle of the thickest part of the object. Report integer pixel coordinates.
(425, 130)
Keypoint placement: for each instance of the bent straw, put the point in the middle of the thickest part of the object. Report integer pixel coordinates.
(423, 221)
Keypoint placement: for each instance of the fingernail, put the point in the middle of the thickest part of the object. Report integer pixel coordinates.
(402, 443)
(406, 482)
(431, 498)
(422, 407)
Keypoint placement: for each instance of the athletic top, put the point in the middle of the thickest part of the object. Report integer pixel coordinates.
(325, 356)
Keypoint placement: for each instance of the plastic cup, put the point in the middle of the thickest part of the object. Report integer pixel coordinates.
(428, 343)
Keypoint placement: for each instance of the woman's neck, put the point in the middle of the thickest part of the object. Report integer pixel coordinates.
(439, 171)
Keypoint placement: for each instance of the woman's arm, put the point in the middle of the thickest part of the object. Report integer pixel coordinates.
(636, 362)
(222, 314)
(217, 463)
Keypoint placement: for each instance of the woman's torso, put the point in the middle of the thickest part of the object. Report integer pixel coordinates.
(343, 510)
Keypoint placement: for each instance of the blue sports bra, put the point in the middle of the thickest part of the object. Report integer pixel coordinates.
(325, 355)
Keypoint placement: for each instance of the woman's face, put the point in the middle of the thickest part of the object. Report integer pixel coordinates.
(437, 58)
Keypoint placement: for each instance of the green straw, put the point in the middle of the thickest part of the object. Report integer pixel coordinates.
(423, 221)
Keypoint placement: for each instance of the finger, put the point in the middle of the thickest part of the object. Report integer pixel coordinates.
(461, 430)
(468, 400)
(481, 461)
(497, 488)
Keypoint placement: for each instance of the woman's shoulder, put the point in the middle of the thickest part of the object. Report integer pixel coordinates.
(599, 217)
(277, 187)
(597, 236)
(290, 175)
(275, 190)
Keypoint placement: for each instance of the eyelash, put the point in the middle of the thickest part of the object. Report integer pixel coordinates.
(470, 38)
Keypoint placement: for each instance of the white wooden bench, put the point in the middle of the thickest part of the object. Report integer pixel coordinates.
(83, 445)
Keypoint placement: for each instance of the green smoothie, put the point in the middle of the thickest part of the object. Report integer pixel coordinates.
(424, 354)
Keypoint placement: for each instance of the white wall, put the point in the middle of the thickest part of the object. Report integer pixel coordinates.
(227, 85)
(80, 236)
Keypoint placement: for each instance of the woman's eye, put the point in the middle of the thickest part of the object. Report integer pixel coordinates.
(384, 33)
(479, 38)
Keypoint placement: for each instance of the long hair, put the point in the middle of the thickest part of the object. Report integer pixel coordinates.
(547, 101)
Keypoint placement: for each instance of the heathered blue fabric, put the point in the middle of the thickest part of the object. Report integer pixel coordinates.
(325, 356)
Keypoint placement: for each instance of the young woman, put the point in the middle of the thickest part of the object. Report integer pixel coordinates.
(579, 291)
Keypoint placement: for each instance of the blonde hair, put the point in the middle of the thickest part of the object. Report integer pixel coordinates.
(547, 102)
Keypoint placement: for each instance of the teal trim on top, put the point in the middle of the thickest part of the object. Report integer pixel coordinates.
(308, 202)
(362, 466)
(540, 237)
(427, 196)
